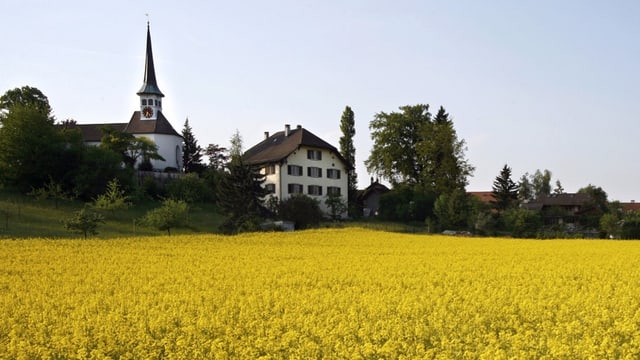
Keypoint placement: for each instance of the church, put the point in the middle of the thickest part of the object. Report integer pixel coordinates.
(148, 121)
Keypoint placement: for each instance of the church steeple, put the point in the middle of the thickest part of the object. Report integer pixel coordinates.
(150, 94)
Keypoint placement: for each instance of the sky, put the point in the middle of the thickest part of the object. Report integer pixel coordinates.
(530, 84)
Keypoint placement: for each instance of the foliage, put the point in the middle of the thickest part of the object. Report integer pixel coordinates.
(525, 189)
(190, 188)
(335, 294)
(505, 191)
(51, 190)
(630, 226)
(541, 182)
(336, 206)
(84, 222)
(303, 210)
(113, 199)
(413, 148)
(454, 211)
(192, 152)
(97, 167)
(26, 96)
(31, 149)
(217, 156)
(597, 205)
(348, 151)
(170, 215)
(522, 223)
(131, 149)
(241, 197)
(406, 204)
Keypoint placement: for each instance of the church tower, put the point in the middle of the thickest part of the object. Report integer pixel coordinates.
(150, 95)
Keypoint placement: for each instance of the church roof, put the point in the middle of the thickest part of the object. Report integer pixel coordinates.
(160, 126)
(279, 145)
(93, 132)
(150, 86)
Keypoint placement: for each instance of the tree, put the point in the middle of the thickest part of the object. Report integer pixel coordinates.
(31, 149)
(170, 215)
(348, 151)
(241, 195)
(541, 182)
(113, 199)
(558, 189)
(217, 156)
(505, 191)
(453, 211)
(131, 148)
(412, 148)
(25, 96)
(525, 188)
(396, 136)
(192, 152)
(336, 206)
(597, 205)
(446, 169)
(84, 222)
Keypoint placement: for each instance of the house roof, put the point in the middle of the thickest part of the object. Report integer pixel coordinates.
(630, 206)
(159, 126)
(150, 85)
(278, 146)
(375, 187)
(542, 201)
(484, 196)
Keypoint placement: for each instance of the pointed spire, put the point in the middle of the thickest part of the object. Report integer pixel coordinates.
(150, 86)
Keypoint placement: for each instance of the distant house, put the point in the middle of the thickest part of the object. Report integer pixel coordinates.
(148, 121)
(561, 209)
(370, 198)
(295, 161)
(486, 197)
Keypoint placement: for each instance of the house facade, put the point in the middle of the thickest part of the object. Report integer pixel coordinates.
(148, 121)
(370, 198)
(295, 161)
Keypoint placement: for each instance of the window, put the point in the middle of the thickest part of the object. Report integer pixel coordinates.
(294, 170)
(333, 173)
(270, 169)
(314, 190)
(314, 154)
(144, 101)
(333, 190)
(271, 188)
(295, 189)
(315, 172)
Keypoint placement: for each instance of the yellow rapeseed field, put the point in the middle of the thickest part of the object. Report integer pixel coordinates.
(345, 294)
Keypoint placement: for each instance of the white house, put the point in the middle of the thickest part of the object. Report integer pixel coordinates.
(148, 121)
(296, 161)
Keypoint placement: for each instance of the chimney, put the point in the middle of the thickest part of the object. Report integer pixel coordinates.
(299, 127)
(266, 135)
(287, 129)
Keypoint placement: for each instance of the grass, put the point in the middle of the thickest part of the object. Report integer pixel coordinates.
(25, 217)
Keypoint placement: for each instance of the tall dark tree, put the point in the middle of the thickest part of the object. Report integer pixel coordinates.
(348, 150)
(25, 96)
(505, 191)
(241, 197)
(192, 152)
(217, 156)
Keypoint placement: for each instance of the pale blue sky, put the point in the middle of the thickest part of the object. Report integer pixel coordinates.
(534, 84)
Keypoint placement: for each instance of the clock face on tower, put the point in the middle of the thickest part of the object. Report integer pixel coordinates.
(147, 112)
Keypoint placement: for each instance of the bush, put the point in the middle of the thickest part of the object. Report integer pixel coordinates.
(522, 223)
(406, 204)
(172, 214)
(302, 210)
(190, 188)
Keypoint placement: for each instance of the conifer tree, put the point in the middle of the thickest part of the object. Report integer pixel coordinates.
(192, 152)
(505, 191)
